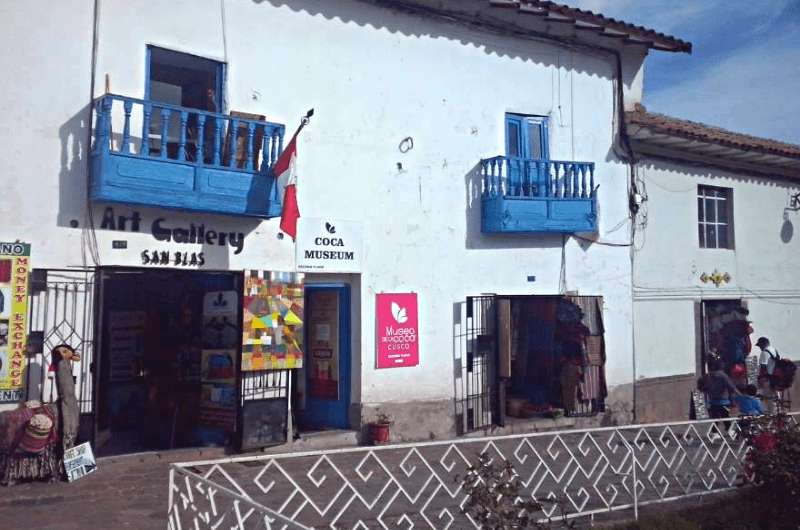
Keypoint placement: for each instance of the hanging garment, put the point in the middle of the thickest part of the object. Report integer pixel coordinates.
(594, 350)
(591, 385)
(591, 307)
(570, 375)
(752, 369)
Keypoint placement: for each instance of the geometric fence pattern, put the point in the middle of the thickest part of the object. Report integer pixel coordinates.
(418, 485)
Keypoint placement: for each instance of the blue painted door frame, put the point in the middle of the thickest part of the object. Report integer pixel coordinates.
(526, 140)
(329, 413)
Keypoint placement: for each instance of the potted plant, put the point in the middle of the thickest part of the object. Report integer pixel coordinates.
(379, 429)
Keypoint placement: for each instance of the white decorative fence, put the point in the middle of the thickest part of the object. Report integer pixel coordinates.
(591, 471)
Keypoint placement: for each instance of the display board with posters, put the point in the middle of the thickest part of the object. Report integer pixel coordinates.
(14, 269)
(272, 324)
(397, 331)
(217, 360)
(126, 331)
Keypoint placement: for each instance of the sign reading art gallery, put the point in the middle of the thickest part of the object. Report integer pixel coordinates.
(398, 330)
(326, 245)
(14, 267)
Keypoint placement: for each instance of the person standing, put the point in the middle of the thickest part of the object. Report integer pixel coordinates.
(719, 390)
(766, 362)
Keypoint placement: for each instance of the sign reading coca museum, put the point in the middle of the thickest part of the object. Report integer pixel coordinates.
(398, 330)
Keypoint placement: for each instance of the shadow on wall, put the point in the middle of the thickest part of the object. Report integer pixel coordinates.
(73, 177)
(475, 239)
(34, 375)
(424, 24)
(459, 357)
(787, 231)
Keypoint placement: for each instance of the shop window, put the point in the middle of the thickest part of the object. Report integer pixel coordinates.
(557, 356)
(715, 217)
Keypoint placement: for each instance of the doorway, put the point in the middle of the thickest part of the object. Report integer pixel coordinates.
(531, 356)
(167, 364)
(726, 337)
(327, 374)
(183, 80)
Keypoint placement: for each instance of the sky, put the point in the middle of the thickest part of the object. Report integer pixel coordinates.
(744, 70)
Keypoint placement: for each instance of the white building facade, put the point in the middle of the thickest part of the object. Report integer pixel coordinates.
(409, 101)
(715, 244)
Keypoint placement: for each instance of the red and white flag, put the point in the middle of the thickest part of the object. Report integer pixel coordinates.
(284, 171)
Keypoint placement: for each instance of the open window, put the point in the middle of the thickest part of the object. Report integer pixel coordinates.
(182, 80)
(526, 150)
(526, 137)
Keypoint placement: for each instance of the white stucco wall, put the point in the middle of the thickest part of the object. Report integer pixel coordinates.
(669, 262)
(374, 77)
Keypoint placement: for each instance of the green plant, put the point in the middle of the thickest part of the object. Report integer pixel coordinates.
(494, 498)
(773, 465)
(381, 418)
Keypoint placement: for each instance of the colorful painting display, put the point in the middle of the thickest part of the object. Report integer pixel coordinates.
(273, 321)
(14, 268)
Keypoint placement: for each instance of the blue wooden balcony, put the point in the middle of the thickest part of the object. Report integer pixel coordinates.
(154, 154)
(529, 196)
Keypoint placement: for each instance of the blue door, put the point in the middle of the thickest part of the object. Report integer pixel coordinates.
(527, 154)
(327, 340)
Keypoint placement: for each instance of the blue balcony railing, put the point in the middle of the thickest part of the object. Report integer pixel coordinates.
(161, 155)
(522, 195)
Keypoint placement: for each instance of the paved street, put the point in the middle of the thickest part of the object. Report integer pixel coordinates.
(126, 492)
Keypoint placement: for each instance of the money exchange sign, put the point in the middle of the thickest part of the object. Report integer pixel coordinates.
(14, 268)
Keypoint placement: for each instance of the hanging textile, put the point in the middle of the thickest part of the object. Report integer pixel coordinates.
(592, 384)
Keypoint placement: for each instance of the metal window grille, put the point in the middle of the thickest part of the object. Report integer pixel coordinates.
(63, 312)
(265, 384)
(476, 399)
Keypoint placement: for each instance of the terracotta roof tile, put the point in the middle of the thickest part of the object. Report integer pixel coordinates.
(609, 27)
(707, 133)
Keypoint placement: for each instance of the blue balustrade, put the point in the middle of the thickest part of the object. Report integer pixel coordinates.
(527, 196)
(183, 158)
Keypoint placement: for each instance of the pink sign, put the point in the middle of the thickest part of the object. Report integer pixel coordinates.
(398, 330)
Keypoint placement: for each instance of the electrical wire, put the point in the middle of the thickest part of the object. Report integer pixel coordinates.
(602, 243)
(88, 234)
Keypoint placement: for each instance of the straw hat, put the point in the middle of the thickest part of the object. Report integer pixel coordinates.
(37, 434)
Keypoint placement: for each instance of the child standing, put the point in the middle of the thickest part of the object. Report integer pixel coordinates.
(748, 403)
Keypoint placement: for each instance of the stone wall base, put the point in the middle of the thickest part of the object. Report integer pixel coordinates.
(662, 399)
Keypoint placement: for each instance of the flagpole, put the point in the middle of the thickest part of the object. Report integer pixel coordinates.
(290, 196)
(303, 122)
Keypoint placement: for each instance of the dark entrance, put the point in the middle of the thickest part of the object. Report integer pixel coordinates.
(725, 334)
(529, 356)
(167, 359)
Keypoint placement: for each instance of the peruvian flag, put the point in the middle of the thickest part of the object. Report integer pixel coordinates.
(284, 170)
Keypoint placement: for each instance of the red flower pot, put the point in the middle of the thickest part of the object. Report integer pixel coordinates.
(379, 433)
